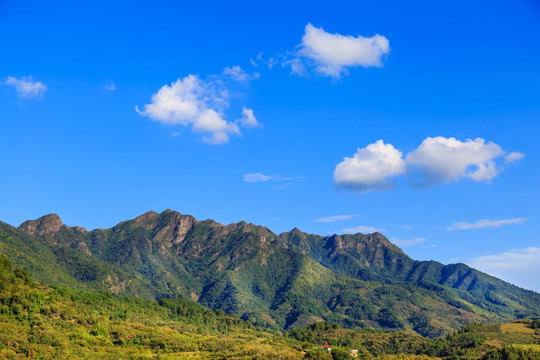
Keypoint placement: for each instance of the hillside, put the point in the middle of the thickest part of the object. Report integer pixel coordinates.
(277, 281)
(372, 257)
(60, 323)
(46, 322)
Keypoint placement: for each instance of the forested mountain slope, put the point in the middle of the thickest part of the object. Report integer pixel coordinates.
(279, 281)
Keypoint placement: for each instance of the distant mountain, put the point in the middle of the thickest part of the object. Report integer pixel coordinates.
(279, 281)
(373, 258)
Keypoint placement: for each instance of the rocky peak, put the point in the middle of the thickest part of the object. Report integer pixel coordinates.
(150, 215)
(48, 224)
(173, 227)
(295, 235)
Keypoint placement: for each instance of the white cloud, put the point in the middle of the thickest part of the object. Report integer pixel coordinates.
(248, 119)
(442, 160)
(518, 266)
(26, 87)
(335, 218)
(257, 177)
(437, 160)
(362, 229)
(370, 168)
(261, 60)
(331, 54)
(236, 73)
(200, 104)
(406, 243)
(514, 156)
(484, 223)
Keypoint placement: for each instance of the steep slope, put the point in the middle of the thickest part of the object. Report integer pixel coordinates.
(373, 257)
(281, 281)
(60, 265)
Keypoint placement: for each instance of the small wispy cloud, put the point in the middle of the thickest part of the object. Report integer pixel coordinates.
(518, 266)
(405, 227)
(512, 259)
(236, 73)
(407, 243)
(258, 177)
(26, 87)
(335, 218)
(514, 156)
(362, 229)
(485, 223)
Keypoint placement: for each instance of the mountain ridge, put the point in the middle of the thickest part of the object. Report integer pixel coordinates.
(280, 281)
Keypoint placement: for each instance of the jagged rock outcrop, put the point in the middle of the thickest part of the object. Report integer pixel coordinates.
(45, 225)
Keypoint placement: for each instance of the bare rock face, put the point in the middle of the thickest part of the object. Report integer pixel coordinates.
(175, 228)
(45, 225)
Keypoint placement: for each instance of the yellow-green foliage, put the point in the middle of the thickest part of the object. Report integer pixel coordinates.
(60, 323)
(517, 327)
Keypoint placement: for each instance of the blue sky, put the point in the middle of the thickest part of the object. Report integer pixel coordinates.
(417, 119)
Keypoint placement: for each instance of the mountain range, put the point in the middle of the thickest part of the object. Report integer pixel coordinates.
(279, 281)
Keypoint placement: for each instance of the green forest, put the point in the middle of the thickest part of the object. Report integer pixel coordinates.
(57, 322)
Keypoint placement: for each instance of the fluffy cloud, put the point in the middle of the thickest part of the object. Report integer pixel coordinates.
(331, 54)
(484, 223)
(442, 160)
(518, 266)
(407, 243)
(370, 168)
(200, 104)
(437, 160)
(26, 87)
(362, 229)
(335, 218)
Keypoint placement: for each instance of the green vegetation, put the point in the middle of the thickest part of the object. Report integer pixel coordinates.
(60, 323)
(46, 322)
(274, 281)
(474, 341)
